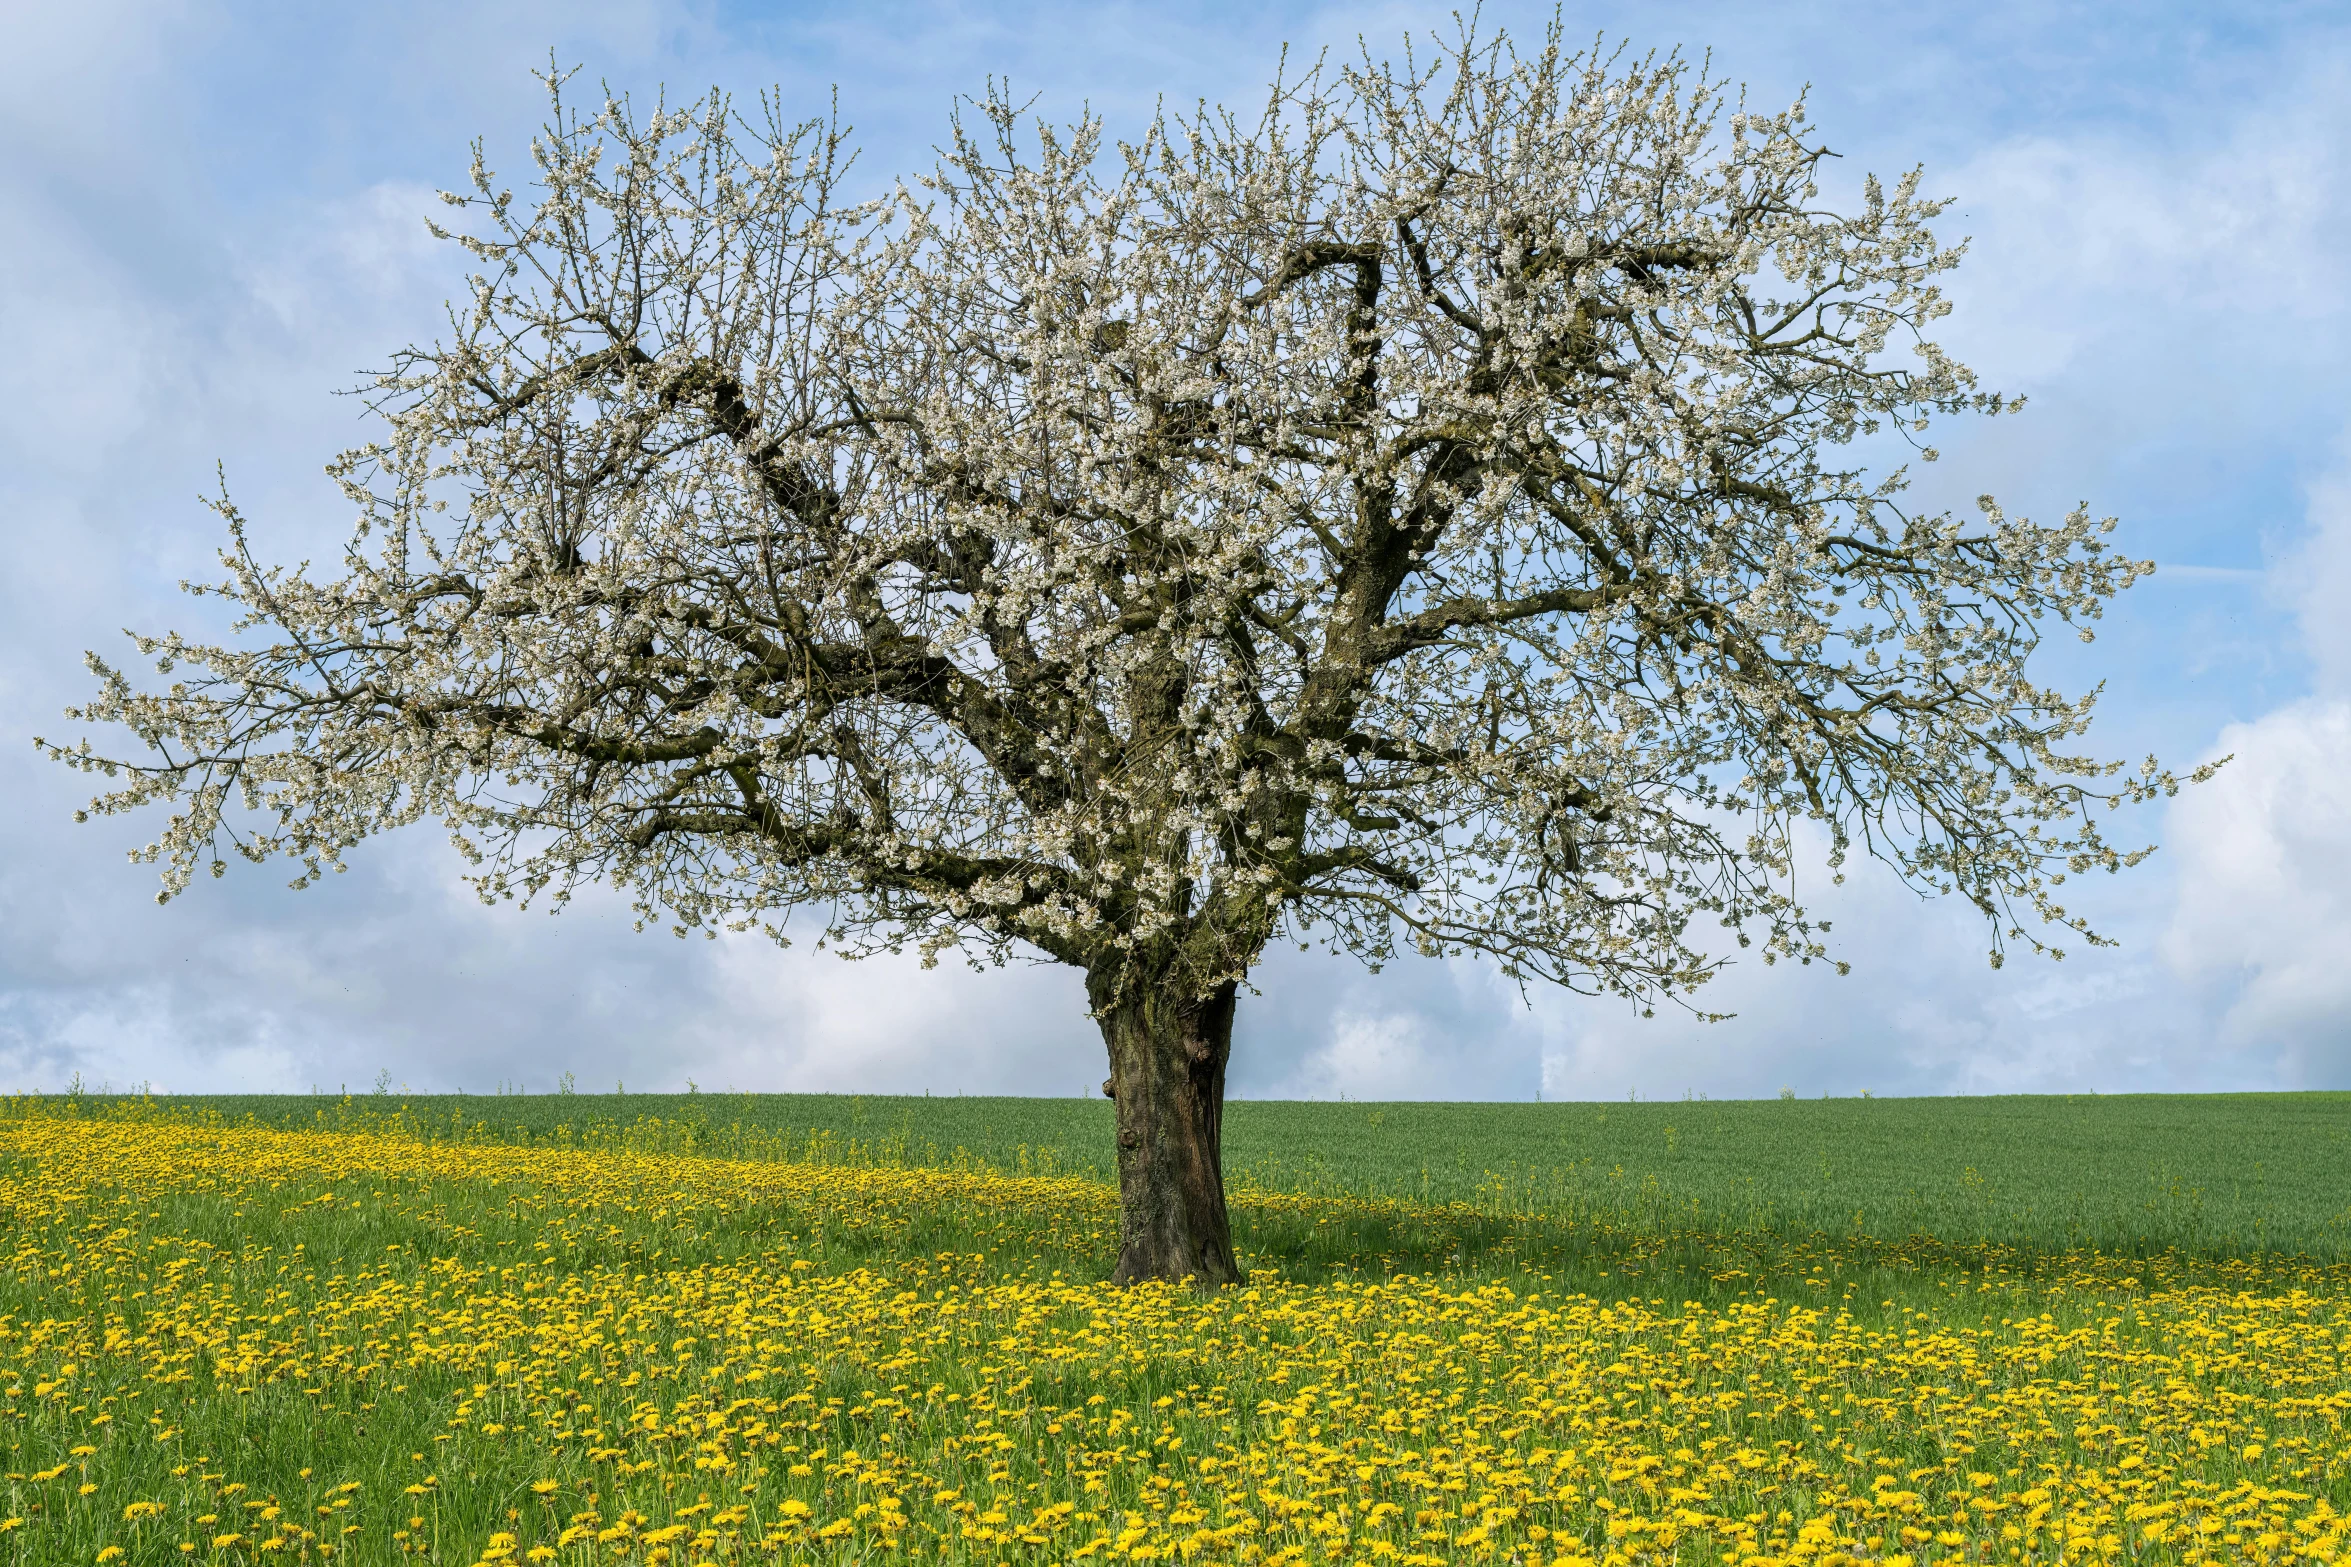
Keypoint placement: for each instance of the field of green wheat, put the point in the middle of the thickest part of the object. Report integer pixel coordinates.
(2233, 1173)
(712, 1328)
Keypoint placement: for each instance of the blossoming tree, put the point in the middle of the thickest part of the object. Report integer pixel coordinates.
(1408, 515)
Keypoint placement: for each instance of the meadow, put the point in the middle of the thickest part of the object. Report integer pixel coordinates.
(581, 1329)
(2231, 1173)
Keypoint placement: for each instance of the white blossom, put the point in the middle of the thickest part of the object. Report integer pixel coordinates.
(1407, 515)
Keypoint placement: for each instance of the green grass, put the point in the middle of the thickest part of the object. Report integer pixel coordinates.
(2214, 1175)
(326, 1330)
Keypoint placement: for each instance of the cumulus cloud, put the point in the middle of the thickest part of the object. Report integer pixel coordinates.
(2227, 219)
(207, 237)
(2264, 911)
(2315, 578)
(2265, 890)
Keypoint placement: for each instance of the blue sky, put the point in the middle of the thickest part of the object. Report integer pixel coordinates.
(215, 220)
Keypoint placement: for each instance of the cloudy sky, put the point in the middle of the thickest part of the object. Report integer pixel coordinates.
(213, 219)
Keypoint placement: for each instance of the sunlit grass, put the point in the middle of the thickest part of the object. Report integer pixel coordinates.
(231, 1342)
(2227, 1174)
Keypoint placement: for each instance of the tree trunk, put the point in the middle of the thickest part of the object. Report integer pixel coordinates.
(1167, 1064)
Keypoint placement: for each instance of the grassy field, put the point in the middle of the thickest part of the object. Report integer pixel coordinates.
(2233, 1173)
(586, 1330)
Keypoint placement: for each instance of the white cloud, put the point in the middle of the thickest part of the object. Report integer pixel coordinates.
(810, 1023)
(2097, 236)
(2264, 910)
(352, 262)
(2315, 578)
(168, 303)
(2159, 290)
(1322, 1027)
(1922, 1012)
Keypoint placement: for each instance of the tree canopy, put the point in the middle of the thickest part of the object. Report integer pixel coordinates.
(1420, 513)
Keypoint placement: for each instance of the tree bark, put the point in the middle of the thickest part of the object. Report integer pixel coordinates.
(1167, 1066)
